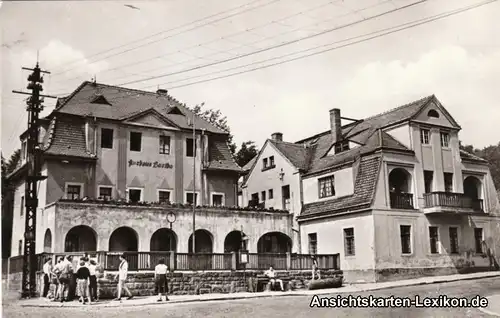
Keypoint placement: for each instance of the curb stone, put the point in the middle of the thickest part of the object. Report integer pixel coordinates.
(341, 290)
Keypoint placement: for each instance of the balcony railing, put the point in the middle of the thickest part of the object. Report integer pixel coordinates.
(146, 261)
(452, 200)
(401, 200)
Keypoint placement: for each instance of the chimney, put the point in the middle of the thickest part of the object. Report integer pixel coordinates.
(335, 124)
(277, 136)
(162, 91)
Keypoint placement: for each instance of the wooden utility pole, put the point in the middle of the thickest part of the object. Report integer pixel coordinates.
(34, 103)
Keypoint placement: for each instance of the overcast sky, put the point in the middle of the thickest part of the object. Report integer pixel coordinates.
(456, 58)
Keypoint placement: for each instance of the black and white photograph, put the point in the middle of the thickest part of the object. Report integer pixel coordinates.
(250, 158)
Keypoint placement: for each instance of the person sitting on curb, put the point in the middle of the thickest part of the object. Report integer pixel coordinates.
(272, 277)
(315, 267)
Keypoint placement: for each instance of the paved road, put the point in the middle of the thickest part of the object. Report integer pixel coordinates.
(297, 306)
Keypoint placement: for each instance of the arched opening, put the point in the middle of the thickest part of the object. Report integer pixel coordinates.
(433, 113)
(80, 238)
(274, 242)
(124, 239)
(400, 189)
(163, 240)
(472, 190)
(47, 242)
(203, 242)
(234, 242)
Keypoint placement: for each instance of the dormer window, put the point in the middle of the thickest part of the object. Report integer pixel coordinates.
(100, 99)
(433, 113)
(342, 146)
(326, 187)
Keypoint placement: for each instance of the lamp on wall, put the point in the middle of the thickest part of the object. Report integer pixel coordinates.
(281, 174)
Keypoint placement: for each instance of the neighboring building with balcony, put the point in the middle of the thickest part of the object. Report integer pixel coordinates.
(393, 194)
(107, 150)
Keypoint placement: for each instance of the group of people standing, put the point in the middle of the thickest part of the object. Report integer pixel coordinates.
(82, 281)
(70, 281)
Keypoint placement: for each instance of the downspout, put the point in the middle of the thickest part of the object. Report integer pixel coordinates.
(301, 192)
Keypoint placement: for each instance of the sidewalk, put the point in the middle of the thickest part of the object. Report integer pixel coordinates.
(151, 300)
(493, 306)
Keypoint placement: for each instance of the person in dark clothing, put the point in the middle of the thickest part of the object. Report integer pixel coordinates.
(83, 276)
(72, 281)
(47, 273)
(93, 280)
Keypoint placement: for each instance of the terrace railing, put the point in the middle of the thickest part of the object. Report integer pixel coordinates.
(146, 261)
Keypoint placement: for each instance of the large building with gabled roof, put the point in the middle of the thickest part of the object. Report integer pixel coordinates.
(393, 194)
(117, 161)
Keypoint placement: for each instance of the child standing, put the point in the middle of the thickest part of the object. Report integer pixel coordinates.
(83, 276)
(161, 279)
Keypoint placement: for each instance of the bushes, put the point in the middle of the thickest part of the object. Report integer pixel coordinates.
(326, 283)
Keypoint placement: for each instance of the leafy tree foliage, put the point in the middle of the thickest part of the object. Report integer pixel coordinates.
(492, 155)
(247, 151)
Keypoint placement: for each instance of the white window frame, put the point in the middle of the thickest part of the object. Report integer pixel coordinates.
(422, 135)
(170, 191)
(135, 188)
(197, 197)
(104, 186)
(439, 250)
(412, 235)
(217, 193)
(73, 184)
(441, 140)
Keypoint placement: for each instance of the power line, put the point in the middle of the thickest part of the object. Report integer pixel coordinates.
(176, 34)
(248, 44)
(401, 27)
(219, 39)
(428, 20)
(277, 46)
(394, 29)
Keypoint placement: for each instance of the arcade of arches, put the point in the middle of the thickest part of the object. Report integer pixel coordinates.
(125, 239)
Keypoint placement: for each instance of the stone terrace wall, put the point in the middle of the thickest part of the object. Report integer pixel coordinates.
(190, 283)
(185, 283)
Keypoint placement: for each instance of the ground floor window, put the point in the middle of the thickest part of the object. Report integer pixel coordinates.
(478, 240)
(405, 232)
(434, 239)
(453, 240)
(313, 243)
(349, 242)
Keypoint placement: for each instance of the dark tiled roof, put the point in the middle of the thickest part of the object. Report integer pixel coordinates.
(220, 157)
(364, 190)
(249, 165)
(66, 137)
(468, 156)
(126, 103)
(297, 154)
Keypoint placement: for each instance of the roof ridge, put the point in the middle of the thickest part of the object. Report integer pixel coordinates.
(287, 143)
(399, 107)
